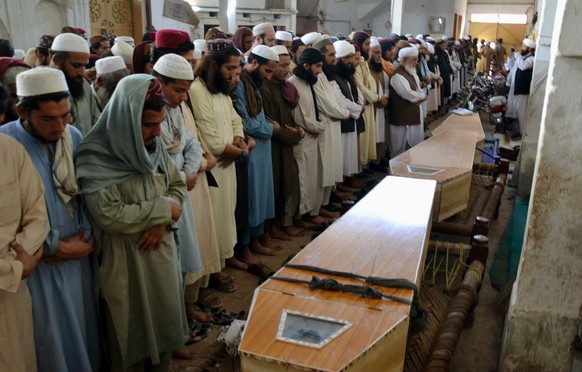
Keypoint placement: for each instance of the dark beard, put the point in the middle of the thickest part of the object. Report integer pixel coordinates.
(365, 55)
(29, 127)
(257, 79)
(151, 148)
(75, 87)
(305, 75)
(524, 52)
(344, 70)
(221, 84)
(329, 71)
(375, 66)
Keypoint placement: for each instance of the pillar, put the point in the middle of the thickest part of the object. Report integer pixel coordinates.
(227, 15)
(396, 13)
(544, 310)
(523, 175)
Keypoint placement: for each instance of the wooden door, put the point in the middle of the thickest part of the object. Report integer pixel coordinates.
(511, 34)
(117, 17)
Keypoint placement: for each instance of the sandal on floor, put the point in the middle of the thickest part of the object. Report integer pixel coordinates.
(223, 317)
(222, 282)
(207, 300)
(261, 270)
(198, 315)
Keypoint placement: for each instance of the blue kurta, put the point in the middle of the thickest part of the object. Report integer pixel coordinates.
(260, 168)
(187, 157)
(64, 312)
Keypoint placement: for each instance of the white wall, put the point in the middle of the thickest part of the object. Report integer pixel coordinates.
(417, 12)
(460, 8)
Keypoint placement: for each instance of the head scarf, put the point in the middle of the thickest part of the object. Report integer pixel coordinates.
(141, 56)
(113, 151)
(310, 56)
(7, 62)
(239, 37)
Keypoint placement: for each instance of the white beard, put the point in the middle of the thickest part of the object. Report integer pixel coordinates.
(411, 70)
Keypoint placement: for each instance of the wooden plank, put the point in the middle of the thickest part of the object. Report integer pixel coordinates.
(386, 235)
(470, 123)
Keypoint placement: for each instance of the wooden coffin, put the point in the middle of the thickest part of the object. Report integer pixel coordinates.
(446, 157)
(470, 123)
(385, 235)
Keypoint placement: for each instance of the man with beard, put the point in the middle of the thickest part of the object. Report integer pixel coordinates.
(63, 307)
(279, 99)
(444, 65)
(42, 50)
(307, 152)
(432, 99)
(264, 34)
(9, 69)
(173, 41)
(519, 86)
(110, 70)
(382, 81)
(332, 109)
(354, 100)
(406, 96)
(297, 48)
(70, 54)
(248, 103)
(134, 195)
(366, 83)
(221, 128)
(99, 46)
(387, 47)
(243, 39)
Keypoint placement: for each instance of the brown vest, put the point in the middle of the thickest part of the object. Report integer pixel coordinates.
(403, 112)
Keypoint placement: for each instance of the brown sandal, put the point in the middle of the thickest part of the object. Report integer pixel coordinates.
(207, 300)
(222, 282)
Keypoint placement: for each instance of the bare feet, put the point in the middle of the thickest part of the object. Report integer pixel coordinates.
(345, 195)
(277, 233)
(317, 220)
(237, 264)
(198, 315)
(266, 241)
(303, 224)
(292, 231)
(343, 188)
(247, 257)
(325, 213)
(256, 247)
(182, 353)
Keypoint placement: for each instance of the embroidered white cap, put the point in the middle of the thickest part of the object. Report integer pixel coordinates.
(126, 39)
(174, 66)
(279, 49)
(283, 35)
(69, 42)
(109, 64)
(265, 52)
(311, 38)
(263, 28)
(40, 80)
(123, 50)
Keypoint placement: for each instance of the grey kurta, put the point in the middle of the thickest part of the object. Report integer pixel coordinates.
(141, 291)
(85, 110)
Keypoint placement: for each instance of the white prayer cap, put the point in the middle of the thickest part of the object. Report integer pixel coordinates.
(123, 50)
(174, 66)
(529, 43)
(458, 43)
(69, 42)
(265, 52)
(200, 44)
(311, 38)
(263, 28)
(466, 37)
(408, 36)
(492, 45)
(109, 64)
(430, 48)
(420, 37)
(407, 52)
(40, 80)
(280, 50)
(197, 54)
(423, 43)
(428, 38)
(126, 39)
(343, 49)
(19, 54)
(415, 46)
(374, 42)
(444, 37)
(283, 35)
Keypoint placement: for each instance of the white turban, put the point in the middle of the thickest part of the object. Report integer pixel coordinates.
(430, 48)
(407, 52)
(283, 35)
(420, 37)
(492, 45)
(265, 52)
(40, 80)
(311, 38)
(123, 50)
(174, 66)
(263, 28)
(343, 49)
(127, 39)
(529, 43)
(374, 42)
(109, 64)
(68, 42)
